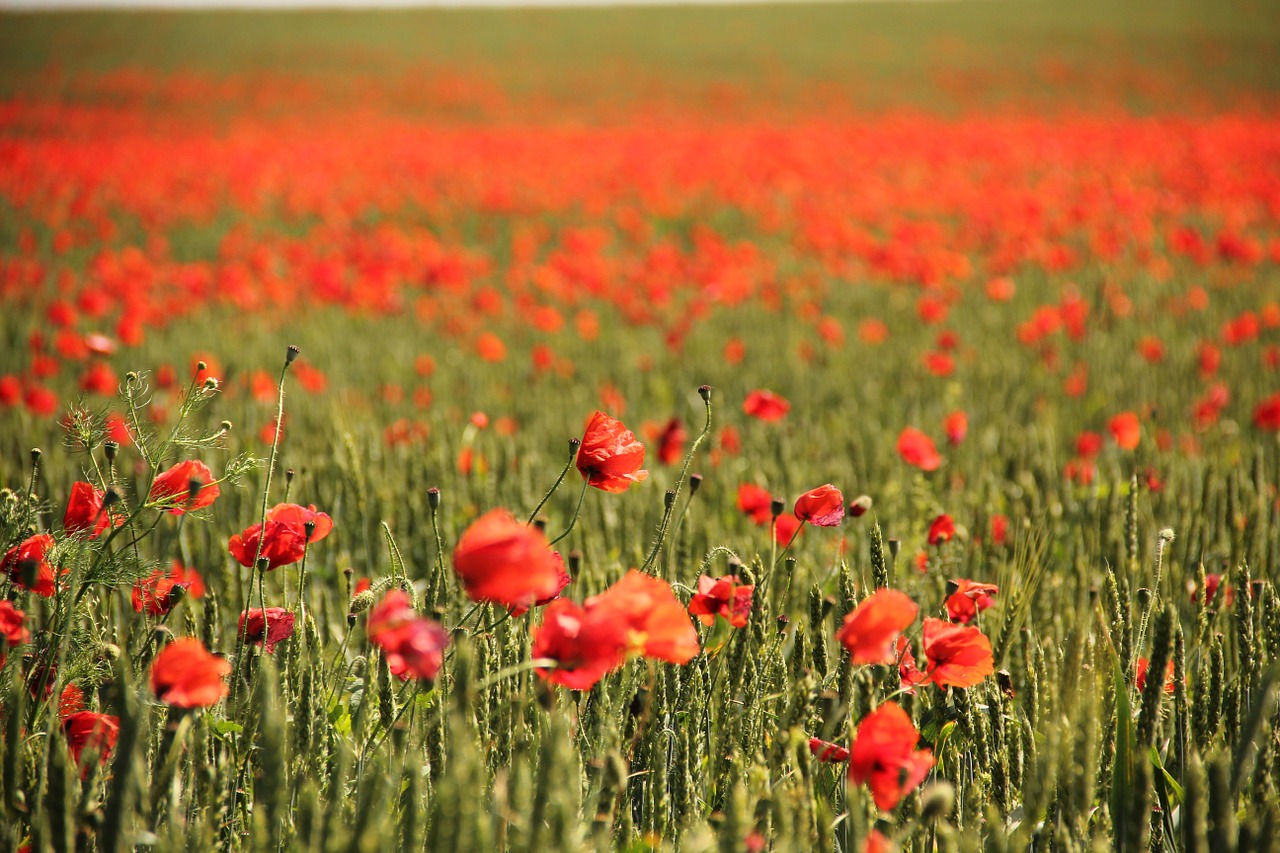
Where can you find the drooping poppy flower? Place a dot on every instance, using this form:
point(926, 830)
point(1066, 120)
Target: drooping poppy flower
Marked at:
point(12, 625)
point(869, 630)
point(671, 442)
point(502, 561)
point(268, 627)
point(941, 529)
point(884, 756)
point(1140, 678)
point(765, 405)
point(86, 730)
point(828, 752)
point(283, 544)
point(185, 487)
point(917, 449)
point(185, 675)
point(956, 426)
point(155, 594)
point(27, 565)
point(85, 511)
point(970, 599)
point(565, 580)
point(755, 502)
point(414, 645)
point(823, 506)
point(1125, 430)
point(722, 596)
point(610, 456)
point(638, 615)
point(956, 655)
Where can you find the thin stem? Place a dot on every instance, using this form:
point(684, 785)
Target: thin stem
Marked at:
point(680, 481)
point(581, 497)
point(563, 473)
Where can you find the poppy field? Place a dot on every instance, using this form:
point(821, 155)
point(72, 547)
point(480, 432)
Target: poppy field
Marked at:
point(842, 427)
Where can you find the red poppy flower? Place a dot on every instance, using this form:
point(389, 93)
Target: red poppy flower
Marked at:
point(185, 675)
point(86, 730)
point(917, 449)
point(671, 442)
point(85, 512)
point(414, 645)
point(18, 562)
point(884, 756)
point(823, 506)
point(941, 529)
point(638, 615)
point(869, 630)
point(1141, 666)
point(12, 625)
point(610, 456)
point(957, 655)
point(909, 675)
point(1212, 583)
point(765, 406)
point(1088, 445)
point(786, 528)
point(755, 502)
point(956, 426)
point(722, 597)
point(999, 529)
point(1125, 430)
point(1266, 415)
point(270, 627)
point(505, 562)
point(584, 650)
point(564, 581)
point(177, 489)
point(970, 599)
point(299, 516)
point(283, 544)
point(876, 842)
point(828, 752)
point(154, 594)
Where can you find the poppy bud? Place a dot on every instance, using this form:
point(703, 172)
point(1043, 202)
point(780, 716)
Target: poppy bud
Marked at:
point(109, 651)
point(163, 636)
point(361, 602)
point(109, 449)
point(669, 499)
point(288, 476)
point(200, 367)
point(309, 528)
point(433, 498)
point(111, 496)
point(291, 355)
point(540, 524)
point(176, 592)
point(193, 488)
point(575, 562)
point(895, 545)
point(937, 800)
point(952, 588)
point(574, 444)
point(695, 481)
point(704, 391)
point(1166, 535)
point(210, 383)
point(351, 620)
point(263, 564)
point(858, 506)
point(1144, 596)
point(1005, 682)
point(783, 622)
point(776, 506)
point(35, 455)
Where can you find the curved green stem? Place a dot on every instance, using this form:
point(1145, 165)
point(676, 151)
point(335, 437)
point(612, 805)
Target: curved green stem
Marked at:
point(581, 497)
point(563, 473)
point(680, 481)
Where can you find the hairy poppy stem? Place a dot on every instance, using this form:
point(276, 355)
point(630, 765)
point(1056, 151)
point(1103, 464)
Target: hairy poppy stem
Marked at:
point(574, 444)
point(705, 393)
point(576, 510)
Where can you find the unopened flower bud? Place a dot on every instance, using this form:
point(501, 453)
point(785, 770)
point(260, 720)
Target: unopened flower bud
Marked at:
point(574, 444)
point(669, 499)
point(895, 545)
point(776, 507)
point(704, 391)
point(361, 602)
point(109, 450)
point(433, 498)
point(176, 594)
point(109, 497)
point(695, 482)
point(858, 506)
point(1005, 682)
point(263, 564)
point(783, 622)
point(291, 355)
point(28, 571)
point(540, 524)
point(937, 800)
point(309, 527)
point(35, 455)
point(574, 563)
point(109, 651)
point(201, 366)
point(288, 476)
point(1166, 535)
point(226, 426)
point(163, 635)
point(210, 383)
point(193, 488)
